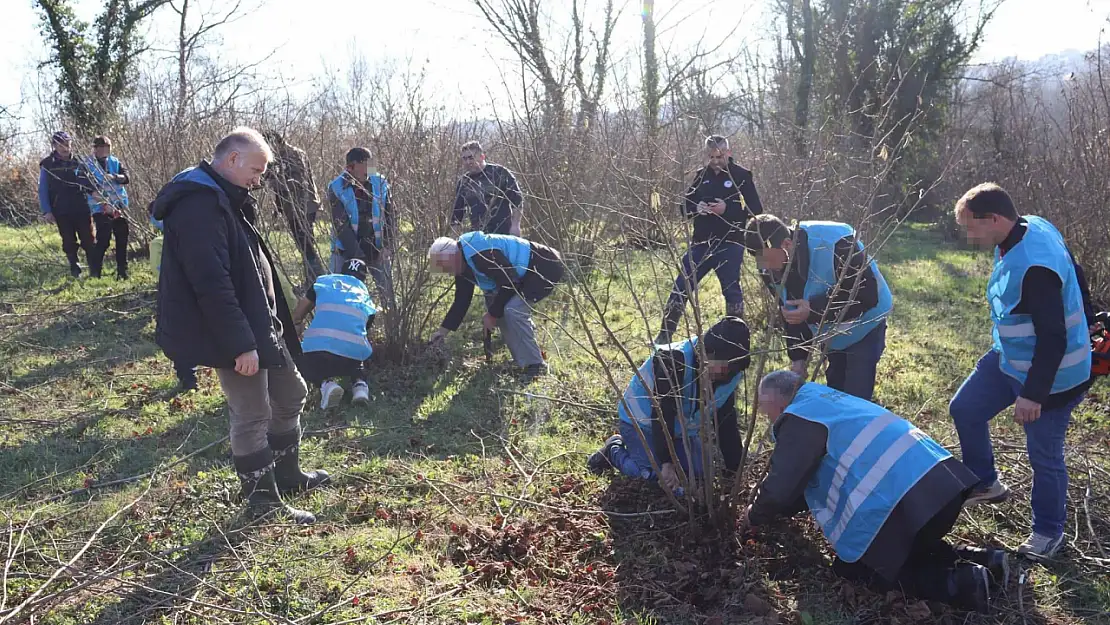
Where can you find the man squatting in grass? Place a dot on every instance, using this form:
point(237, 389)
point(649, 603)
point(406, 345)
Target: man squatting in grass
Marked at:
point(336, 343)
point(825, 259)
point(884, 494)
point(1040, 361)
point(513, 273)
point(221, 305)
point(720, 200)
point(671, 377)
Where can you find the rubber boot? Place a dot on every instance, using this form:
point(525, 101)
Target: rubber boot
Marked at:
point(735, 310)
point(671, 315)
point(287, 464)
point(259, 490)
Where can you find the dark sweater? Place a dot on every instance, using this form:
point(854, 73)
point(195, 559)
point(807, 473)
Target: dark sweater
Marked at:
point(729, 185)
point(829, 304)
point(544, 268)
point(800, 445)
point(1045, 304)
point(491, 195)
point(61, 187)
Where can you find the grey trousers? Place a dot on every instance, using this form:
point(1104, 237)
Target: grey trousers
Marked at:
point(269, 402)
point(518, 332)
point(380, 270)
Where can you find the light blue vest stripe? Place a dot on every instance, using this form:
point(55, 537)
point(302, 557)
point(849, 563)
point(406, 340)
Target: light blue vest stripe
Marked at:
point(638, 394)
point(1013, 334)
point(822, 236)
point(873, 458)
point(516, 249)
point(114, 194)
point(343, 306)
point(379, 190)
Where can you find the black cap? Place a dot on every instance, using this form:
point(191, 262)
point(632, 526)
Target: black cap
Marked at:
point(355, 267)
point(102, 141)
point(728, 339)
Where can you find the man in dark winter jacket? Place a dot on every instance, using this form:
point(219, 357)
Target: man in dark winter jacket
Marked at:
point(720, 200)
point(490, 192)
point(884, 494)
point(62, 200)
point(221, 305)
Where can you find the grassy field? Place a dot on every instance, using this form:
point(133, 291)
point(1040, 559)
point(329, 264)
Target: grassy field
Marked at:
point(460, 494)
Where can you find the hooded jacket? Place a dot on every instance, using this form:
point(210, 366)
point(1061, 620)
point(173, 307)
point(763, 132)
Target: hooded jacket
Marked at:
point(218, 294)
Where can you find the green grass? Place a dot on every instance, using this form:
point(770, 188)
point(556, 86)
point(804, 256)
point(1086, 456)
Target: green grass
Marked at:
point(460, 494)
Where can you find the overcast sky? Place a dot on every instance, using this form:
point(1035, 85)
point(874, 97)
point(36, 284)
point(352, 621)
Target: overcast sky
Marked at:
point(463, 58)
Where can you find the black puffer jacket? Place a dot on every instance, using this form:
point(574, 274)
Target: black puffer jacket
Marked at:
point(213, 301)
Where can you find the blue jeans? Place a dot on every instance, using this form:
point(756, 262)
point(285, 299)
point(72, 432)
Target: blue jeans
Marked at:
point(984, 394)
point(853, 370)
point(723, 258)
point(632, 459)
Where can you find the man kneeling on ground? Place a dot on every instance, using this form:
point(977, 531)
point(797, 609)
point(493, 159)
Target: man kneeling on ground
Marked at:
point(671, 377)
point(884, 494)
point(513, 273)
point(336, 343)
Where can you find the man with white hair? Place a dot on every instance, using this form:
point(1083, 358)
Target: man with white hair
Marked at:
point(513, 273)
point(884, 494)
point(221, 305)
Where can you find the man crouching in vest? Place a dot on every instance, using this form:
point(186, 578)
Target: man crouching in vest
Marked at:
point(513, 273)
point(814, 268)
point(671, 377)
point(336, 344)
point(884, 494)
point(1040, 361)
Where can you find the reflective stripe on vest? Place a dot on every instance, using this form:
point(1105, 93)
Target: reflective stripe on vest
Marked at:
point(1014, 336)
point(111, 192)
point(822, 237)
point(343, 306)
point(345, 191)
point(638, 394)
point(873, 458)
point(516, 249)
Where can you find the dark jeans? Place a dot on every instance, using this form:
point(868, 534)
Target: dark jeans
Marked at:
point(106, 228)
point(926, 570)
point(723, 258)
point(319, 367)
point(984, 394)
point(73, 228)
point(853, 370)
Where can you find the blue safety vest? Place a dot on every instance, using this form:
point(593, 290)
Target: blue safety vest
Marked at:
point(114, 194)
point(344, 189)
point(637, 404)
point(872, 459)
point(343, 306)
point(516, 249)
point(1014, 336)
point(822, 237)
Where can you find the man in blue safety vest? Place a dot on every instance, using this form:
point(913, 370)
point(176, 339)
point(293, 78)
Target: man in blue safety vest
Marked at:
point(1040, 361)
point(830, 291)
point(362, 221)
point(513, 273)
point(665, 396)
point(883, 493)
point(336, 343)
point(105, 178)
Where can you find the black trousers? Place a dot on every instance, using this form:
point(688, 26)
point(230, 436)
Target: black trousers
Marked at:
point(319, 367)
point(106, 228)
point(931, 559)
point(74, 228)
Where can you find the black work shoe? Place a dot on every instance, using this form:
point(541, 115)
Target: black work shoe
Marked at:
point(75, 270)
point(997, 562)
point(600, 461)
point(287, 464)
point(260, 492)
point(970, 588)
point(533, 371)
point(121, 274)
